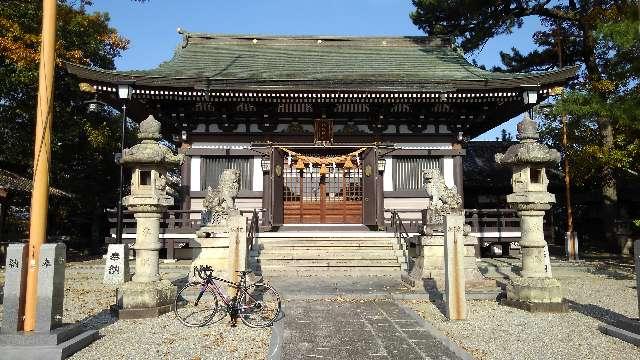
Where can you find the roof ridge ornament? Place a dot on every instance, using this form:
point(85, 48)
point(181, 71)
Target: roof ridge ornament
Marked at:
point(185, 36)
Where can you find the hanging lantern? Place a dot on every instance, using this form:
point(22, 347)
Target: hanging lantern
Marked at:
point(358, 160)
point(300, 164)
point(289, 160)
point(347, 164)
point(310, 165)
point(324, 170)
point(333, 166)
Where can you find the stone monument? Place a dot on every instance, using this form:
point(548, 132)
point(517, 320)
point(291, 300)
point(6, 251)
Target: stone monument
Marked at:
point(147, 295)
point(116, 268)
point(535, 289)
point(429, 265)
point(220, 217)
point(51, 338)
point(456, 305)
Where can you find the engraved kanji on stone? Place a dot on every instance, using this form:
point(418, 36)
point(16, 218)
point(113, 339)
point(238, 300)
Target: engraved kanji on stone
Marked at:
point(114, 256)
point(114, 269)
point(14, 263)
point(46, 263)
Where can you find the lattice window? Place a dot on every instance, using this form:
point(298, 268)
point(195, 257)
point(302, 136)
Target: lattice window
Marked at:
point(213, 166)
point(407, 171)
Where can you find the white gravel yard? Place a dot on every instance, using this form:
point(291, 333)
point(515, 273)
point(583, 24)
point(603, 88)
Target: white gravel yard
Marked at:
point(596, 293)
point(87, 300)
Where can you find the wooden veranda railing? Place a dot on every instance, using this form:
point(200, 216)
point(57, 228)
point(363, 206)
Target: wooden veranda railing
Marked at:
point(482, 221)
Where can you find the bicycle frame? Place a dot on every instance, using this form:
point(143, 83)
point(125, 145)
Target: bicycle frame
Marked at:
point(232, 303)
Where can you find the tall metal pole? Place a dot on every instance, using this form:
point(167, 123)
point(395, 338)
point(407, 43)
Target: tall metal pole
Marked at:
point(120, 190)
point(41, 158)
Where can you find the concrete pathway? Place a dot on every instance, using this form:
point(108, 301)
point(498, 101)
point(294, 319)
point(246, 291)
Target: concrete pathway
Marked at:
point(358, 329)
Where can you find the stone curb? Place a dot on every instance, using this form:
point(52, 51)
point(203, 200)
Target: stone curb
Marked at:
point(621, 334)
point(453, 347)
point(277, 338)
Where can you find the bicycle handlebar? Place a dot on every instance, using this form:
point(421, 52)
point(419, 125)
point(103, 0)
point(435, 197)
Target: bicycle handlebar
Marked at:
point(204, 269)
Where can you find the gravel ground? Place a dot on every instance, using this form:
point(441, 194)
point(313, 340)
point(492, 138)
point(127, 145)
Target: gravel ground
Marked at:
point(596, 292)
point(87, 301)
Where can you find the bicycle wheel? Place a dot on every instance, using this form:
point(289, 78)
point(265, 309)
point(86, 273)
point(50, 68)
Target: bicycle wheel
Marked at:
point(195, 307)
point(259, 305)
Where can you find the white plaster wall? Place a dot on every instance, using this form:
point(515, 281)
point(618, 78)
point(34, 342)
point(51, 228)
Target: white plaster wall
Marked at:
point(423, 145)
point(194, 184)
point(406, 204)
point(387, 177)
point(448, 171)
point(219, 145)
point(257, 183)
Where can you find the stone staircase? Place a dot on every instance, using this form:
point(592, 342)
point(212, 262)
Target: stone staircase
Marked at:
point(327, 252)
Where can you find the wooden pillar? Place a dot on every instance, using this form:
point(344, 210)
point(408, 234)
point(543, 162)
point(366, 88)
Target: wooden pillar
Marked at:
point(458, 169)
point(170, 245)
point(277, 187)
point(185, 183)
point(266, 198)
point(3, 211)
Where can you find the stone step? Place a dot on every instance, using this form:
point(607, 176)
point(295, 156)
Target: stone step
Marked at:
point(324, 251)
point(269, 271)
point(325, 235)
point(294, 243)
point(325, 238)
point(362, 263)
point(327, 256)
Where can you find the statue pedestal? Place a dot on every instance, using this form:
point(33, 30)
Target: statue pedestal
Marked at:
point(429, 265)
point(137, 300)
point(535, 295)
point(223, 247)
point(212, 251)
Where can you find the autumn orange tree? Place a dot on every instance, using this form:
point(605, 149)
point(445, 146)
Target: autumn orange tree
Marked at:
point(83, 143)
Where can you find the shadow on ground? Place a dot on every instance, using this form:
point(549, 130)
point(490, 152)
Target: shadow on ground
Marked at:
point(597, 312)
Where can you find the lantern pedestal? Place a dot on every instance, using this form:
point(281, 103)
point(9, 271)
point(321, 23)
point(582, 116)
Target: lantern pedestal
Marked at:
point(137, 300)
point(535, 295)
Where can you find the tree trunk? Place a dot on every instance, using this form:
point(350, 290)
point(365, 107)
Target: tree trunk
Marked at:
point(609, 189)
point(97, 237)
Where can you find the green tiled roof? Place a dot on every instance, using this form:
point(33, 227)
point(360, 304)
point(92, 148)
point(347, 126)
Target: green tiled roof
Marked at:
point(297, 58)
point(216, 61)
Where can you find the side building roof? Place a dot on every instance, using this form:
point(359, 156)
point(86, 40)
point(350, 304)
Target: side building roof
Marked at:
point(14, 182)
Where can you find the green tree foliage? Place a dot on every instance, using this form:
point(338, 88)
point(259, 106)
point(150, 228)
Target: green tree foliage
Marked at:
point(83, 143)
point(602, 103)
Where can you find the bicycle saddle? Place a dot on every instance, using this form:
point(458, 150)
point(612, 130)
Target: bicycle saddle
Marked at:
point(244, 271)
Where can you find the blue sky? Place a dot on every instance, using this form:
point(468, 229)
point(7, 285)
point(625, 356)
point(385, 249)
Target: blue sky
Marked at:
point(151, 27)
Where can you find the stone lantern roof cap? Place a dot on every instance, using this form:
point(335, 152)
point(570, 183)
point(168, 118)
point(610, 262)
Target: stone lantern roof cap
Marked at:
point(150, 150)
point(527, 129)
point(149, 129)
point(528, 151)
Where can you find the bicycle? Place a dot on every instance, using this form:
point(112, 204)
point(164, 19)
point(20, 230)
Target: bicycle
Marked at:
point(196, 304)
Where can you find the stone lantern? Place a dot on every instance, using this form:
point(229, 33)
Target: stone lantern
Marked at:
point(531, 199)
point(149, 160)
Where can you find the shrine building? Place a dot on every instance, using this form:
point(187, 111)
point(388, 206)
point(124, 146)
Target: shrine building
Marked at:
point(324, 130)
